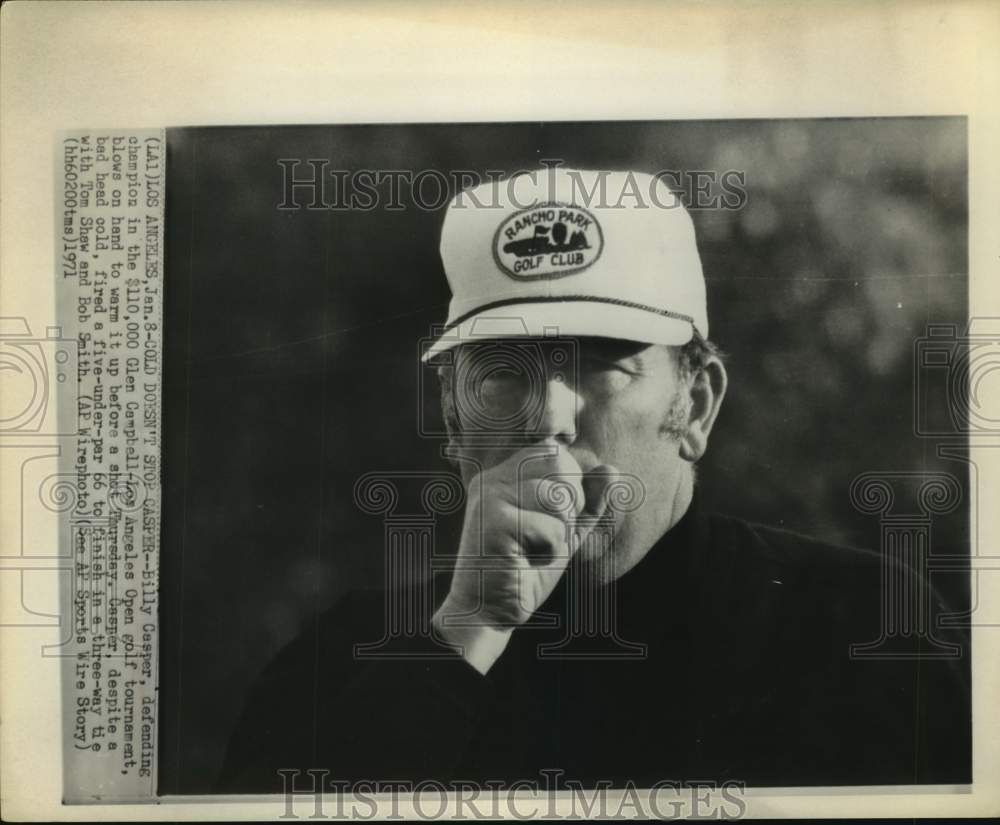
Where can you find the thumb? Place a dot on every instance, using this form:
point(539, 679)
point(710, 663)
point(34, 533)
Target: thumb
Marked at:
point(596, 482)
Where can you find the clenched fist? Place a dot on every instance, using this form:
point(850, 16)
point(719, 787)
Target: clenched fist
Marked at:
point(524, 520)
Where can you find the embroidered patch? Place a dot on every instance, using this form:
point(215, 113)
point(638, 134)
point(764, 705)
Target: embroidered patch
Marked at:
point(547, 241)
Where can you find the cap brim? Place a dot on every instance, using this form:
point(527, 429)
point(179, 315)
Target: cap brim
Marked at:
point(565, 318)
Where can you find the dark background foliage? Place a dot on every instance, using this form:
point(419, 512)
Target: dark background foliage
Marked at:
point(292, 339)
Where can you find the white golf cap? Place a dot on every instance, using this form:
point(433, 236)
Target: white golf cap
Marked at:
point(571, 252)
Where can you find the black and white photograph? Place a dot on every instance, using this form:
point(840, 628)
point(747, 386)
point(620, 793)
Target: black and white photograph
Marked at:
point(564, 452)
point(462, 411)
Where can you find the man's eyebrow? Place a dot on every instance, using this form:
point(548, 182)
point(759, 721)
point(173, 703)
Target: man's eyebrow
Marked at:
point(614, 349)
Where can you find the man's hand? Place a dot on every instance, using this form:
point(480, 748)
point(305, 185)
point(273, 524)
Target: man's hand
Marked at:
point(524, 520)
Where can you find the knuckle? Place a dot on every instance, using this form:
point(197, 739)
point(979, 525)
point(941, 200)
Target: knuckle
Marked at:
point(502, 543)
point(551, 529)
point(557, 537)
point(557, 499)
point(567, 495)
point(531, 495)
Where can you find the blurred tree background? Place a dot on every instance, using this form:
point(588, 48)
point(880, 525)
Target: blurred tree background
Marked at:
point(292, 339)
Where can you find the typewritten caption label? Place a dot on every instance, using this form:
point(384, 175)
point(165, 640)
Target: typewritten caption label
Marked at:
point(109, 274)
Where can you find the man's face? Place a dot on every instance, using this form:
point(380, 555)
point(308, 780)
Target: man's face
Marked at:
point(606, 401)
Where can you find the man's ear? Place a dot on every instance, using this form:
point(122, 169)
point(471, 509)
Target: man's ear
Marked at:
point(708, 388)
point(449, 414)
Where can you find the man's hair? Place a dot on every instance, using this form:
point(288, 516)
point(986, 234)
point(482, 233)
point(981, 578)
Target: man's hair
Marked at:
point(690, 359)
point(694, 355)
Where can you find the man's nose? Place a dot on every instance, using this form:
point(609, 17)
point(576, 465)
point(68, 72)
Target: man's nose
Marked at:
point(559, 411)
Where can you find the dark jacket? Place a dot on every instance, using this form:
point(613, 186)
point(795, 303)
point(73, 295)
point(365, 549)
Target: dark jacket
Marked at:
point(746, 676)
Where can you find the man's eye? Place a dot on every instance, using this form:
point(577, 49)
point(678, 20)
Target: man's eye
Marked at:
point(501, 378)
point(500, 384)
point(593, 364)
point(604, 376)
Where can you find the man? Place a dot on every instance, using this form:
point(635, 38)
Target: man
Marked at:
point(598, 621)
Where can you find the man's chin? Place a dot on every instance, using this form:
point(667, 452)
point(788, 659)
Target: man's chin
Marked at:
point(599, 560)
